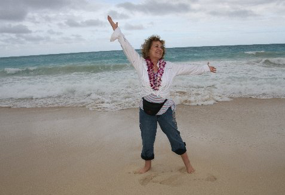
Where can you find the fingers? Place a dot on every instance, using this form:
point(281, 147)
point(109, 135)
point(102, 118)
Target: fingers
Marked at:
point(114, 26)
point(110, 20)
point(213, 69)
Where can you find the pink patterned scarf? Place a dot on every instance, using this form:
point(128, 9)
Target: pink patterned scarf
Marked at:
point(155, 78)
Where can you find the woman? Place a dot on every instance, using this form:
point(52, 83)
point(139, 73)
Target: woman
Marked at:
point(156, 77)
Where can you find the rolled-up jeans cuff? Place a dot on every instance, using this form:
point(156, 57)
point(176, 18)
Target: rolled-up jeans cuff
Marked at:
point(181, 151)
point(147, 158)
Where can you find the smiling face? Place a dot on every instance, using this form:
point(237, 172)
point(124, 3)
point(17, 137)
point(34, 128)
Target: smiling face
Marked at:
point(153, 48)
point(156, 50)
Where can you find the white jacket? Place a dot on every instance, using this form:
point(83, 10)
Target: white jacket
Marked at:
point(171, 70)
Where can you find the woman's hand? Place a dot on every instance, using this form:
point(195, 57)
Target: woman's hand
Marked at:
point(112, 23)
point(212, 68)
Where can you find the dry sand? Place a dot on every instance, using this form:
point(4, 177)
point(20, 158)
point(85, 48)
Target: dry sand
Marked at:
point(236, 147)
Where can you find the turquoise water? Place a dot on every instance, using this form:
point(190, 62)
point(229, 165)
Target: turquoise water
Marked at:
point(94, 79)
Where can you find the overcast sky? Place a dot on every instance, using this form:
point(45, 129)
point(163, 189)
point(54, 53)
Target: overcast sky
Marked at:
point(31, 27)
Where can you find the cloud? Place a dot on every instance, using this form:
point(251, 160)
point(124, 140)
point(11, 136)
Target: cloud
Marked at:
point(33, 38)
point(17, 29)
point(38, 4)
point(17, 10)
point(250, 2)
point(11, 40)
point(134, 27)
point(237, 13)
point(116, 15)
point(219, 8)
point(242, 8)
point(86, 23)
point(52, 32)
point(156, 7)
point(42, 4)
point(22, 39)
point(9, 14)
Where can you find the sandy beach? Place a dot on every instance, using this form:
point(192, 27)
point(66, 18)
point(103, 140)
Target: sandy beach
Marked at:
point(236, 147)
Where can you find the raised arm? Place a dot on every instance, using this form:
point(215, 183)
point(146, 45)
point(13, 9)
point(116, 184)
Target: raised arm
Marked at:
point(135, 59)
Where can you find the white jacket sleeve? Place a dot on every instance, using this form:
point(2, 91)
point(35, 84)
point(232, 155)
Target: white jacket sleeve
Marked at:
point(135, 59)
point(190, 69)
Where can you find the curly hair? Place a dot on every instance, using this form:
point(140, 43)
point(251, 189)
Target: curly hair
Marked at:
point(147, 45)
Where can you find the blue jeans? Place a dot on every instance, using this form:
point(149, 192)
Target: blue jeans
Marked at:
point(167, 122)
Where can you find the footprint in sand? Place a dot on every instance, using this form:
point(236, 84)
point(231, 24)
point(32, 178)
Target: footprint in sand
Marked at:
point(211, 178)
point(200, 177)
point(182, 170)
point(176, 179)
point(173, 180)
point(144, 181)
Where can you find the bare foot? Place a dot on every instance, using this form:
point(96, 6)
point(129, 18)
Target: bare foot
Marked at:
point(190, 169)
point(146, 167)
point(143, 170)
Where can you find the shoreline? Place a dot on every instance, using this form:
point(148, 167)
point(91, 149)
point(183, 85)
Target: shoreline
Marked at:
point(94, 110)
point(235, 146)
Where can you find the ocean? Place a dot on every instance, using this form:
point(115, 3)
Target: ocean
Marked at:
point(106, 80)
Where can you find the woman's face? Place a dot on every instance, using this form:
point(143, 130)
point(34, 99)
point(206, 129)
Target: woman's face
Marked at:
point(156, 50)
